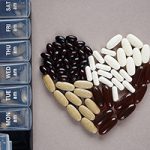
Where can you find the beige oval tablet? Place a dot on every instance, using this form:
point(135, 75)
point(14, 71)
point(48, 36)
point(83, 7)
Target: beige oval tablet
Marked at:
point(83, 84)
point(73, 98)
point(49, 83)
point(65, 86)
point(73, 112)
point(88, 125)
point(83, 93)
point(86, 112)
point(61, 98)
point(92, 106)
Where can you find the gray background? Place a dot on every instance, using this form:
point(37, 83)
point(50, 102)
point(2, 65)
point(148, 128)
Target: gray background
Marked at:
point(94, 21)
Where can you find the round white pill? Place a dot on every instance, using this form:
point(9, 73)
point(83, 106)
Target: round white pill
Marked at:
point(112, 62)
point(121, 57)
point(114, 41)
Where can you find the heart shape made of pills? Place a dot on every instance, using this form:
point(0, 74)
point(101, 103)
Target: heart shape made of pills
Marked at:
point(98, 89)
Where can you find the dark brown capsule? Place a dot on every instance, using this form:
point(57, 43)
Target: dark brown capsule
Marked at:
point(107, 94)
point(71, 38)
point(97, 94)
point(124, 113)
point(107, 125)
point(88, 50)
point(43, 70)
point(147, 75)
point(139, 94)
point(60, 39)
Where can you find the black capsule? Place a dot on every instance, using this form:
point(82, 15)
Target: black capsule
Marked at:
point(45, 56)
point(57, 45)
point(71, 38)
point(63, 78)
point(49, 48)
point(64, 53)
point(48, 64)
point(56, 55)
point(60, 39)
point(43, 70)
point(88, 50)
point(80, 44)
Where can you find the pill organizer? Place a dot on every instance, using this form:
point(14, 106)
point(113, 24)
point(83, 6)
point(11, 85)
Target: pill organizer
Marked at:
point(15, 75)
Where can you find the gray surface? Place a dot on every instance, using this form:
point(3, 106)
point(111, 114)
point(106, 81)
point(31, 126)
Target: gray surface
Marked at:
point(94, 21)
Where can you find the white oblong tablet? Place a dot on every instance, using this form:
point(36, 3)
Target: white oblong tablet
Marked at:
point(125, 75)
point(128, 86)
point(117, 75)
point(104, 73)
point(127, 47)
point(95, 78)
point(108, 52)
point(103, 67)
point(130, 66)
point(91, 62)
point(137, 57)
point(136, 42)
point(105, 81)
point(115, 94)
point(121, 57)
point(114, 41)
point(98, 57)
point(117, 84)
point(88, 73)
point(112, 62)
point(145, 52)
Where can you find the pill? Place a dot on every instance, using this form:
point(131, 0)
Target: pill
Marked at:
point(127, 47)
point(83, 84)
point(71, 39)
point(98, 57)
point(73, 98)
point(92, 62)
point(49, 83)
point(108, 52)
point(105, 81)
point(125, 75)
point(115, 94)
point(103, 67)
point(88, 50)
point(112, 62)
point(73, 112)
point(117, 75)
point(65, 86)
point(145, 52)
point(88, 73)
point(92, 106)
point(136, 42)
point(121, 57)
point(128, 86)
point(95, 78)
point(104, 73)
point(137, 57)
point(86, 112)
point(130, 67)
point(114, 41)
point(61, 98)
point(117, 84)
point(88, 125)
point(83, 93)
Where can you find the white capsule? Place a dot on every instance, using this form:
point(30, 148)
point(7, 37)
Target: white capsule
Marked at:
point(112, 62)
point(105, 74)
point(92, 62)
point(125, 75)
point(117, 75)
point(105, 81)
point(98, 57)
point(137, 57)
point(130, 66)
point(136, 42)
point(114, 41)
point(103, 67)
point(117, 84)
point(128, 86)
point(121, 57)
point(127, 47)
point(108, 52)
point(115, 94)
point(88, 73)
point(145, 52)
point(95, 78)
